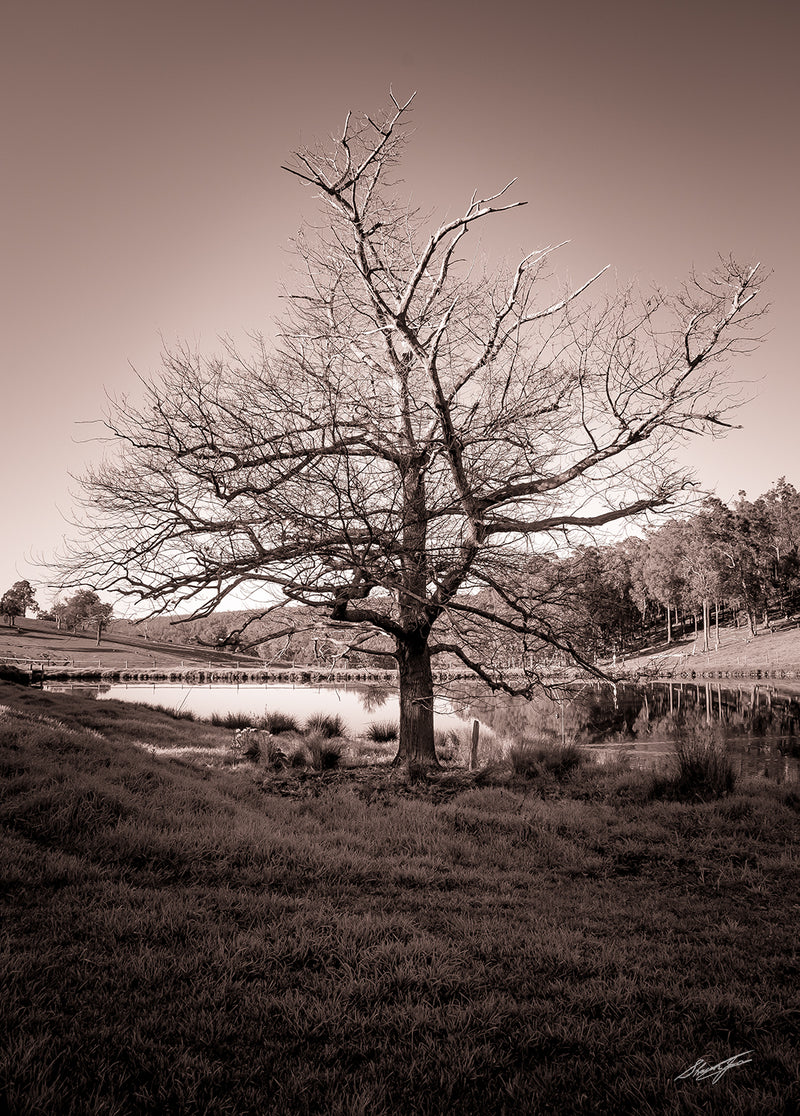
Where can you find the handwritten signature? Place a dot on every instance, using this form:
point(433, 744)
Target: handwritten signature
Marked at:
point(701, 1069)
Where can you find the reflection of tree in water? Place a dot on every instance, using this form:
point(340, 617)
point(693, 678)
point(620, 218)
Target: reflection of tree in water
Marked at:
point(656, 711)
point(373, 697)
point(587, 715)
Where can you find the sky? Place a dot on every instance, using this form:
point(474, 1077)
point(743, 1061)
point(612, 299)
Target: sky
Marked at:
point(142, 201)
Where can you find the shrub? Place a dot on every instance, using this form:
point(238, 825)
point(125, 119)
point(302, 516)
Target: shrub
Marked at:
point(276, 723)
point(702, 769)
point(530, 759)
point(382, 732)
point(248, 743)
point(325, 753)
point(326, 725)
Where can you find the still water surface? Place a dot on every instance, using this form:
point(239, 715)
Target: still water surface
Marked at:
point(358, 706)
point(760, 724)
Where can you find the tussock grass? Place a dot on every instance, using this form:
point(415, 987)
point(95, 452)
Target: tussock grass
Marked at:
point(326, 753)
point(449, 745)
point(179, 938)
point(176, 714)
point(383, 732)
point(532, 759)
point(278, 723)
point(232, 720)
point(704, 768)
point(327, 725)
point(298, 756)
point(701, 768)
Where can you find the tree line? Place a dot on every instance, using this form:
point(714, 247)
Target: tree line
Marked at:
point(82, 611)
point(739, 563)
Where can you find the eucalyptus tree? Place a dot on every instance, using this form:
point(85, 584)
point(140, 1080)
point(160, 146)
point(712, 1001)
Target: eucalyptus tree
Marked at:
point(774, 521)
point(418, 439)
point(83, 610)
point(663, 568)
point(702, 565)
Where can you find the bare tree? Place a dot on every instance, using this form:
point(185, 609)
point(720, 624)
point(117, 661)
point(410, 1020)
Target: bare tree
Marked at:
point(418, 443)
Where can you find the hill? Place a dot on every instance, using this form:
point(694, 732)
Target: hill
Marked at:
point(37, 643)
point(774, 652)
point(40, 642)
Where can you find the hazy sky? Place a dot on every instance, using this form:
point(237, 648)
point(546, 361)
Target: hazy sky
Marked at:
point(142, 195)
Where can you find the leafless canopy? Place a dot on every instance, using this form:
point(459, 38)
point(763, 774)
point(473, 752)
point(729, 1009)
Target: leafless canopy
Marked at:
point(418, 439)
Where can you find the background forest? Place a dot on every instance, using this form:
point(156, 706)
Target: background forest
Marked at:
point(726, 564)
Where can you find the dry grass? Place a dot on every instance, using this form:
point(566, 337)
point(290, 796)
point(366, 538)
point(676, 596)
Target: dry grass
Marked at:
point(778, 650)
point(179, 937)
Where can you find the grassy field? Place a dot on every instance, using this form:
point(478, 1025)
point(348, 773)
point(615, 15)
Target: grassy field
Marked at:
point(188, 931)
point(771, 650)
point(38, 641)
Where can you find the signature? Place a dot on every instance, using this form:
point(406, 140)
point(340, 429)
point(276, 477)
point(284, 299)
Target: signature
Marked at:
point(701, 1069)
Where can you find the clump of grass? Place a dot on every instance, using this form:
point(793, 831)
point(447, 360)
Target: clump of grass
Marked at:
point(701, 769)
point(176, 714)
point(531, 759)
point(326, 754)
point(447, 744)
point(232, 720)
point(276, 722)
point(383, 732)
point(298, 757)
point(326, 725)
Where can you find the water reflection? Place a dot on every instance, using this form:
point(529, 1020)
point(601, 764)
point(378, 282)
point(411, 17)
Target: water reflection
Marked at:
point(759, 724)
point(357, 704)
point(373, 698)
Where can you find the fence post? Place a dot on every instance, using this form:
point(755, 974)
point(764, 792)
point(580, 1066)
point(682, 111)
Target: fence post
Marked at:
point(473, 756)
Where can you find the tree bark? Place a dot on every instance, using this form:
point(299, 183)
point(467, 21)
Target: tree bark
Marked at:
point(416, 704)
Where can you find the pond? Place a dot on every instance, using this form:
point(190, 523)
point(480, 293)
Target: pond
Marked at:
point(358, 705)
point(760, 724)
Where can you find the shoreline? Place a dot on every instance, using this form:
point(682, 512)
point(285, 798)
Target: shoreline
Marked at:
point(308, 676)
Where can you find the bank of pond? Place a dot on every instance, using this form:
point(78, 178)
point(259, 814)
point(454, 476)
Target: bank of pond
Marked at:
point(758, 722)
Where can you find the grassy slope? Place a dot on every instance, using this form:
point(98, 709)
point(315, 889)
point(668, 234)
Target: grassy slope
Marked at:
point(176, 937)
point(776, 650)
point(39, 640)
point(36, 640)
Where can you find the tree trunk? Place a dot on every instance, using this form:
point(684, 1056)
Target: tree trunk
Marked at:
point(669, 626)
point(706, 624)
point(416, 704)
